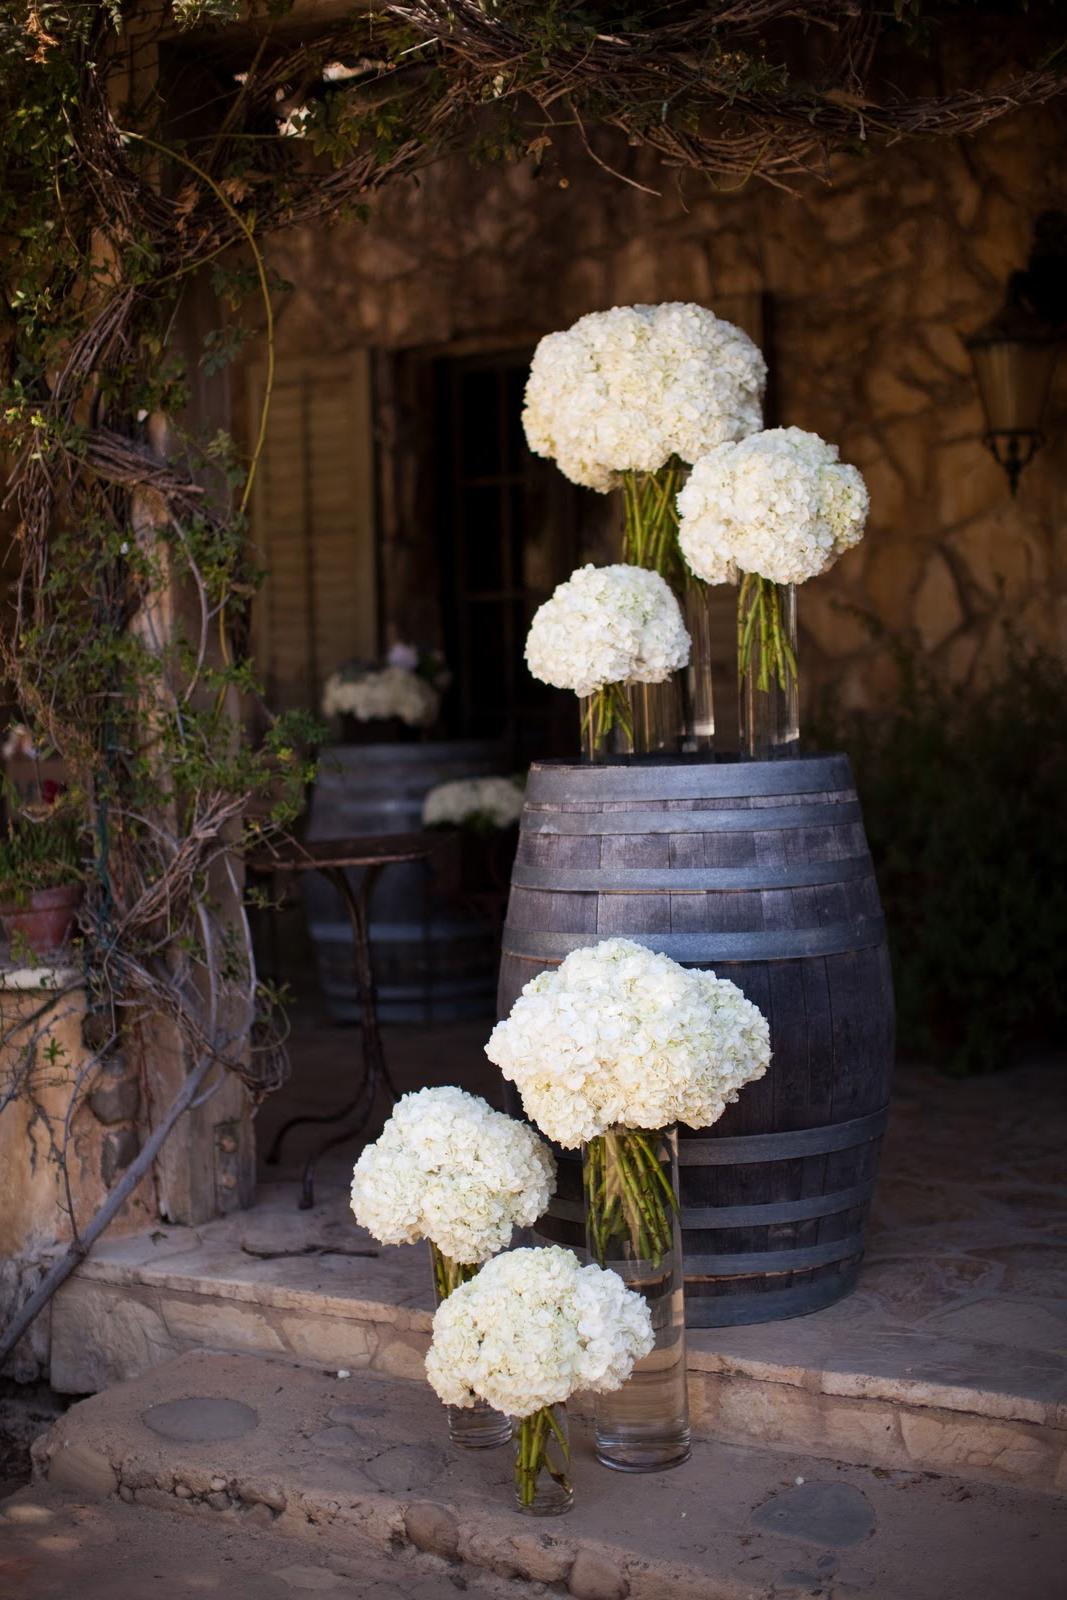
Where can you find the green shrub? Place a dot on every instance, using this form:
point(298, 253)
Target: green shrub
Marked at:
point(965, 801)
point(38, 852)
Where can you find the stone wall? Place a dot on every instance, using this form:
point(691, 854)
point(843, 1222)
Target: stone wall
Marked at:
point(871, 281)
point(44, 1054)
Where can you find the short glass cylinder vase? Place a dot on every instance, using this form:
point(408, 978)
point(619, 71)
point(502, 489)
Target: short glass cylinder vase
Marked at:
point(476, 1427)
point(769, 703)
point(633, 1227)
point(542, 1463)
point(656, 712)
point(606, 723)
point(698, 697)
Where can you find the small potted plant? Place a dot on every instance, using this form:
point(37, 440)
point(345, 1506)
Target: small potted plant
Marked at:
point(40, 878)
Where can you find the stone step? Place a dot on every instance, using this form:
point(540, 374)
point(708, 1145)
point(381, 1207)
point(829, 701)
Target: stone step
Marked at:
point(356, 1470)
point(852, 1383)
point(55, 1545)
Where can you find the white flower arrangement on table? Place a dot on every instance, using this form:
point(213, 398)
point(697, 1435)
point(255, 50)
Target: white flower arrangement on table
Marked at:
point(479, 803)
point(603, 628)
point(533, 1327)
point(626, 390)
point(408, 687)
point(620, 1037)
point(450, 1169)
point(778, 507)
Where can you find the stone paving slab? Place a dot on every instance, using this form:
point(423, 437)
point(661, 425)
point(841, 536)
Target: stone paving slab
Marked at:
point(360, 1469)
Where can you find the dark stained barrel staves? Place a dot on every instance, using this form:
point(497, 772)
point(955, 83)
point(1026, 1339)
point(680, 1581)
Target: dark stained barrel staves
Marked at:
point(761, 871)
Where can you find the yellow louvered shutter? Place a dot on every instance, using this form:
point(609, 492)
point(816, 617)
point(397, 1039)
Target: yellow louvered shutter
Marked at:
point(312, 521)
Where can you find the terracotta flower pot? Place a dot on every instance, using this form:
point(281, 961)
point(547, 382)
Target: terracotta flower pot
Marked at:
point(44, 922)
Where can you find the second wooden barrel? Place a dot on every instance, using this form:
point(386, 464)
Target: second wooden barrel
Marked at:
point(431, 963)
point(760, 871)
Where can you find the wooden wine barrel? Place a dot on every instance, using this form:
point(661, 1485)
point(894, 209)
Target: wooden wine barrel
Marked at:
point(760, 871)
point(432, 963)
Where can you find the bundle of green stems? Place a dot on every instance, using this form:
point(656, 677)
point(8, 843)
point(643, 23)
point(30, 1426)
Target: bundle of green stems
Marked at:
point(535, 1437)
point(651, 535)
point(606, 708)
point(759, 619)
point(449, 1274)
point(628, 1197)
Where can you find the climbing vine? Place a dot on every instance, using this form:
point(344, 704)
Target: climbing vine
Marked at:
point(138, 171)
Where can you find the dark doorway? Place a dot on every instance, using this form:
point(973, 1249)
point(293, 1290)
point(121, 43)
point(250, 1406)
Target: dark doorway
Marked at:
point(509, 529)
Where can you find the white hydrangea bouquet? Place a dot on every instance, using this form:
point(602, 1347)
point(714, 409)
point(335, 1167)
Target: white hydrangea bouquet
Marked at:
point(616, 1043)
point(602, 629)
point(479, 803)
point(448, 1168)
point(771, 510)
point(405, 688)
point(624, 397)
point(533, 1327)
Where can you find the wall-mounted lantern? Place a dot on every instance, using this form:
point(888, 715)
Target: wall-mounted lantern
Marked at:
point(1014, 355)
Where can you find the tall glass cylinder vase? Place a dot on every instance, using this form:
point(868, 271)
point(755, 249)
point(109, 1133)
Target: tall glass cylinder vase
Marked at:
point(698, 699)
point(656, 714)
point(633, 1227)
point(543, 1463)
point(476, 1427)
point(769, 706)
point(606, 723)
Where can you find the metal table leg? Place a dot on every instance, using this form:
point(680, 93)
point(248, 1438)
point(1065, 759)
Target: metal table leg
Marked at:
point(375, 1071)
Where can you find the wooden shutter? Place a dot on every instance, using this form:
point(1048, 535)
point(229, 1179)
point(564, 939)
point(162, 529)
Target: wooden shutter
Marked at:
point(312, 520)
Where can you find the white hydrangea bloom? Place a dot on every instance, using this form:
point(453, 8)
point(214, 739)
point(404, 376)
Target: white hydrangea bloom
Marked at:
point(779, 504)
point(618, 1036)
point(449, 1168)
point(378, 695)
point(497, 801)
point(607, 625)
point(627, 389)
point(533, 1327)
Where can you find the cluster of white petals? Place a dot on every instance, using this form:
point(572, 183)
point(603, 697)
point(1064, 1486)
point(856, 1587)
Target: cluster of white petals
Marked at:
point(482, 802)
point(449, 1168)
point(605, 625)
point(779, 504)
point(375, 696)
point(629, 388)
point(618, 1036)
point(533, 1327)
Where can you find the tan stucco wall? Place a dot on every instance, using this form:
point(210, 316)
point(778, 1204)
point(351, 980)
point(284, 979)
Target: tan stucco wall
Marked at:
point(873, 280)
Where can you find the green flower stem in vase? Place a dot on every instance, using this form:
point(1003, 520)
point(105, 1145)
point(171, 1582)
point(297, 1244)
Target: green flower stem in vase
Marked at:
point(607, 726)
point(476, 1427)
point(769, 705)
point(542, 1463)
point(630, 1178)
point(650, 539)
